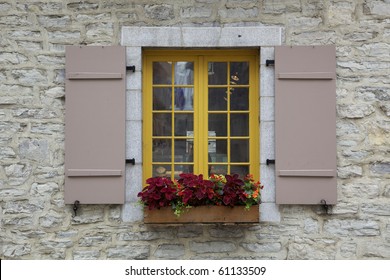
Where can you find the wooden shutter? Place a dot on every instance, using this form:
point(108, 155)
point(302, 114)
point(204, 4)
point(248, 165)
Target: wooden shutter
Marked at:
point(305, 124)
point(95, 91)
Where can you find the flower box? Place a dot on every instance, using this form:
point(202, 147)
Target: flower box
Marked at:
point(203, 214)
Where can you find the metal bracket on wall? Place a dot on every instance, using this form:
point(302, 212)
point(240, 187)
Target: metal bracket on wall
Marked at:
point(325, 206)
point(269, 62)
point(76, 207)
point(131, 68)
point(270, 161)
point(131, 160)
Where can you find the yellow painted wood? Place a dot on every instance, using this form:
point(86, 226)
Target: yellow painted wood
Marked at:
point(201, 58)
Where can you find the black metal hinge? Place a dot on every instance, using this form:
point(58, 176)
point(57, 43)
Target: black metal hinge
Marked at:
point(270, 161)
point(131, 68)
point(269, 62)
point(131, 160)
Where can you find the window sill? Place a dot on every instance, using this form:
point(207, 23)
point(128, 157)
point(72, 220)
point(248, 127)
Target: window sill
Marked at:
point(203, 215)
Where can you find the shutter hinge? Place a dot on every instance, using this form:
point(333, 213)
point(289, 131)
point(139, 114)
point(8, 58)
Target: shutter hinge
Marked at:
point(269, 62)
point(76, 207)
point(270, 161)
point(131, 160)
point(131, 68)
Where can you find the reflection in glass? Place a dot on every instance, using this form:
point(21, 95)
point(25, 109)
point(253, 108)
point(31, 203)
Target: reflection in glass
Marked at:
point(184, 73)
point(183, 123)
point(241, 71)
point(161, 170)
point(239, 99)
point(162, 73)
point(184, 151)
point(217, 99)
point(183, 168)
point(162, 124)
point(239, 150)
point(184, 99)
point(239, 124)
point(162, 150)
point(218, 123)
point(162, 99)
point(241, 170)
point(217, 73)
point(218, 169)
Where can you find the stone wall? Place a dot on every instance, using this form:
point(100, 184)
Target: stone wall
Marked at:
point(35, 223)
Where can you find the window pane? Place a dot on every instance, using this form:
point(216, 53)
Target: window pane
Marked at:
point(239, 150)
point(184, 99)
point(183, 168)
point(183, 124)
point(184, 73)
point(162, 99)
point(162, 124)
point(161, 170)
point(184, 150)
point(162, 73)
point(217, 99)
point(241, 170)
point(162, 150)
point(239, 73)
point(217, 73)
point(239, 125)
point(239, 99)
point(218, 123)
point(217, 150)
point(218, 169)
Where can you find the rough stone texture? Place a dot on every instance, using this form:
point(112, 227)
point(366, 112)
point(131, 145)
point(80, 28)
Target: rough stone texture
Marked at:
point(36, 224)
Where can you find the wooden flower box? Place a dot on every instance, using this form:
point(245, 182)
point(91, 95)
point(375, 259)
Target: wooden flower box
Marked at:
point(203, 214)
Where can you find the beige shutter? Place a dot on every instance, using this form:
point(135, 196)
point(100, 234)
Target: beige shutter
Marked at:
point(305, 124)
point(95, 91)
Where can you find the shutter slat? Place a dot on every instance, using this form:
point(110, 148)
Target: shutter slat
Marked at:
point(307, 76)
point(305, 125)
point(93, 76)
point(95, 105)
point(93, 172)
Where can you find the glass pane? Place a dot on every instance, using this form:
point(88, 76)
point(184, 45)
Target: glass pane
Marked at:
point(183, 124)
point(184, 168)
point(239, 150)
point(161, 170)
point(162, 124)
point(218, 169)
point(218, 124)
point(162, 150)
point(241, 170)
point(184, 150)
point(217, 150)
point(239, 73)
point(239, 124)
point(184, 73)
point(184, 99)
point(162, 99)
point(217, 99)
point(217, 73)
point(239, 99)
point(162, 73)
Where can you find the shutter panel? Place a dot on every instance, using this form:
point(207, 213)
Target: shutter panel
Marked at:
point(95, 124)
point(305, 125)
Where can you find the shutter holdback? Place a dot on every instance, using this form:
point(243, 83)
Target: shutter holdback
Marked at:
point(325, 206)
point(76, 207)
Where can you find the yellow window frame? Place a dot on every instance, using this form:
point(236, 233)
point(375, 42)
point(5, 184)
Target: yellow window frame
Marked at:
point(201, 58)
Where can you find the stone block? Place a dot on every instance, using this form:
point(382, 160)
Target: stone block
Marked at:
point(312, 249)
point(212, 247)
point(134, 182)
point(349, 171)
point(196, 12)
point(227, 231)
point(355, 111)
point(134, 105)
point(17, 173)
point(159, 11)
point(134, 140)
point(169, 251)
point(269, 212)
point(350, 227)
point(95, 239)
point(86, 254)
point(132, 212)
point(34, 149)
point(30, 76)
point(271, 247)
point(137, 252)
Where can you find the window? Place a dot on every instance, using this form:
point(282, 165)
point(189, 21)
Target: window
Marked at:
point(200, 112)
